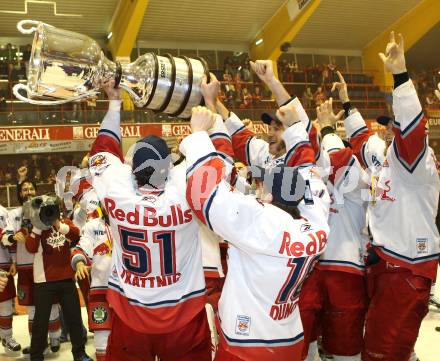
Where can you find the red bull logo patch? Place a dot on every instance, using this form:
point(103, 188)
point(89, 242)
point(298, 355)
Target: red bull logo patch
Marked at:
point(98, 160)
point(103, 249)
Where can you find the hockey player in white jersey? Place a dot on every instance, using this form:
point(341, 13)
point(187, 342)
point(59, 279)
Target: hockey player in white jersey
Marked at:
point(87, 205)
point(7, 265)
point(156, 285)
point(334, 296)
point(405, 247)
point(257, 152)
point(271, 252)
point(15, 235)
point(93, 251)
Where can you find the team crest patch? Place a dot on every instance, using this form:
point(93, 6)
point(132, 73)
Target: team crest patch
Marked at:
point(99, 315)
point(422, 245)
point(243, 325)
point(98, 160)
point(98, 163)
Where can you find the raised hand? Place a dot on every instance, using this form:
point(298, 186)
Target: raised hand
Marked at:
point(264, 70)
point(341, 87)
point(112, 93)
point(210, 91)
point(326, 116)
point(394, 57)
point(288, 115)
point(202, 119)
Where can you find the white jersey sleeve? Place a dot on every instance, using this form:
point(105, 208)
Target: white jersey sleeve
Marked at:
point(238, 218)
point(83, 251)
point(369, 148)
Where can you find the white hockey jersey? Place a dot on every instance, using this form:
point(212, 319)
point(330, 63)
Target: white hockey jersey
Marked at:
point(25, 259)
point(405, 187)
point(346, 245)
point(94, 248)
point(5, 256)
point(156, 284)
point(211, 257)
point(270, 254)
point(89, 208)
point(255, 152)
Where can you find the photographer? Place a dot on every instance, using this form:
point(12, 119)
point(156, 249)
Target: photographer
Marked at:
point(15, 235)
point(50, 240)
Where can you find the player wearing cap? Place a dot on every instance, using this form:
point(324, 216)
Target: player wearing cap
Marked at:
point(156, 284)
point(257, 152)
point(272, 247)
point(405, 189)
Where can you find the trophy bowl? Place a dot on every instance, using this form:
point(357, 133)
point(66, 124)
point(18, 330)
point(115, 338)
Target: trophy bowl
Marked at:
point(66, 66)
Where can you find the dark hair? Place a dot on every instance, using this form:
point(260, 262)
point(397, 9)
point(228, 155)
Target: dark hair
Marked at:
point(20, 186)
point(292, 210)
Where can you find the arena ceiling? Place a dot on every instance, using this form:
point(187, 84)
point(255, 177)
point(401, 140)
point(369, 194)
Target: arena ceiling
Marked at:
point(336, 24)
point(91, 17)
point(350, 24)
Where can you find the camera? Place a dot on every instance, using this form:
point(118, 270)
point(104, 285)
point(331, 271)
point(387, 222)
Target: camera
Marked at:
point(42, 211)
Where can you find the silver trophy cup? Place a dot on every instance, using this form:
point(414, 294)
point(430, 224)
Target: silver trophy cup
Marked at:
point(66, 66)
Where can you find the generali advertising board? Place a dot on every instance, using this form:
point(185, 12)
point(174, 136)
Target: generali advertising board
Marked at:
point(67, 138)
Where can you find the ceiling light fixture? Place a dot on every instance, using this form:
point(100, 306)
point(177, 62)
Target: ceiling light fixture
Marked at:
point(109, 36)
point(258, 42)
point(45, 2)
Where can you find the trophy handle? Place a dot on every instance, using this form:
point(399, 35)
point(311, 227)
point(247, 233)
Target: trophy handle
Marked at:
point(30, 30)
point(18, 87)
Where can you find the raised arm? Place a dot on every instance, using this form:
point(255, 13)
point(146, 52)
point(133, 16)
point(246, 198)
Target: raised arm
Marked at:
point(264, 70)
point(346, 174)
point(232, 215)
point(367, 147)
point(109, 135)
point(410, 142)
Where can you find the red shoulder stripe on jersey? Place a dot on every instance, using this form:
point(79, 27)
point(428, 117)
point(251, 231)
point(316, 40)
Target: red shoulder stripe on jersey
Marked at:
point(203, 180)
point(301, 154)
point(107, 143)
point(338, 160)
point(411, 146)
point(222, 143)
point(315, 141)
point(358, 140)
point(240, 144)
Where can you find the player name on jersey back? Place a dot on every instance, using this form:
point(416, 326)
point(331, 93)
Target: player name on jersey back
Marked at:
point(147, 216)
